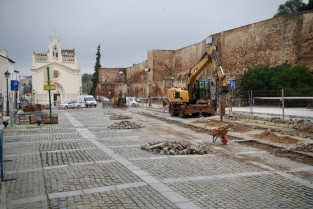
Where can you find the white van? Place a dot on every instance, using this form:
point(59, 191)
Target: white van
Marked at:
point(131, 102)
point(87, 101)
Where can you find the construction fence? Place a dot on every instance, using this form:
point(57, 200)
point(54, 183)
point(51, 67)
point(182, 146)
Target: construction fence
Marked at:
point(283, 103)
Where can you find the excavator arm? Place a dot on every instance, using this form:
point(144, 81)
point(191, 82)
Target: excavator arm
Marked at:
point(209, 57)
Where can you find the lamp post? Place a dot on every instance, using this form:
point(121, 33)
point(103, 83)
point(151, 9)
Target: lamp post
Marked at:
point(149, 93)
point(7, 75)
point(172, 77)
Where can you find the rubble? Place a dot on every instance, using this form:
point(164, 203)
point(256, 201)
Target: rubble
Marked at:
point(176, 148)
point(119, 117)
point(299, 121)
point(109, 113)
point(126, 124)
point(304, 148)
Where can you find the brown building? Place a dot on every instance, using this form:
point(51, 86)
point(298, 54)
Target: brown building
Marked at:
point(270, 42)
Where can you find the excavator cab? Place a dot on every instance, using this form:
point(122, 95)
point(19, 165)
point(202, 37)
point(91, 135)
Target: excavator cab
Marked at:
point(119, 101)
point(123, 98)
point(201, 90)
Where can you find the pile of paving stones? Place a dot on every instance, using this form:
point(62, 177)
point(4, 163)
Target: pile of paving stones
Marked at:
point(126, 124)
point(119, 117)
point(176, 148)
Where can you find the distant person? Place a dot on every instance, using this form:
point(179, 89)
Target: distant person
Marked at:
point(164, 103)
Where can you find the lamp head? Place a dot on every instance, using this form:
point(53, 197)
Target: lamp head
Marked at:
point(7, 74)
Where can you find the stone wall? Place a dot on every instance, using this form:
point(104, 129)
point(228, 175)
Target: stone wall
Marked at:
point(110, 76)
point(270, 42)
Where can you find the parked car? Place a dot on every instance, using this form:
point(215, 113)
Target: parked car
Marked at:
point(99, 98)
point(131, 102)
point(105, 100)
point(70, 104)
point(87, 101)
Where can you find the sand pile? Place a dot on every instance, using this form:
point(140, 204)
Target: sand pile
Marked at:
point(270, 136)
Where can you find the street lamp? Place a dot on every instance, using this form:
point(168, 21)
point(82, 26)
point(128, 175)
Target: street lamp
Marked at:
point(172, 77)
point(7, 76)
point(149, 93)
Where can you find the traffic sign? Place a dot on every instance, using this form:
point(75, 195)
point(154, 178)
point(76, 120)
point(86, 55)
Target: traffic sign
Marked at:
point(49, 87)
point(14, 85)
point(232, 85)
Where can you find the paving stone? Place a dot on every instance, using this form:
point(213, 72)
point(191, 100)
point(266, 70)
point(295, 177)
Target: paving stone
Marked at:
point(76, 156)
point(270, 191)
point(72, 164)
point(87, 177)
point(175, 167)
point(139, 197)
point(26, 185)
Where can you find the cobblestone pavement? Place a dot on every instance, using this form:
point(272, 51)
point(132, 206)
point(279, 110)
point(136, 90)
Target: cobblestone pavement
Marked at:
point(81, 163)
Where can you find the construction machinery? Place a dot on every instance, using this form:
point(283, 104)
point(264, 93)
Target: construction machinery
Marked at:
point(120, 100)
point(196, 98)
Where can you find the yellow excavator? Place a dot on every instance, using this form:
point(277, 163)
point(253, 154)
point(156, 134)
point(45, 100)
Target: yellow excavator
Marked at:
point(120, 100)
point(196, 98)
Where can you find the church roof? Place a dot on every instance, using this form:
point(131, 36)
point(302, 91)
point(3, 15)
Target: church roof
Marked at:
point(63, 51)
point(7, 58)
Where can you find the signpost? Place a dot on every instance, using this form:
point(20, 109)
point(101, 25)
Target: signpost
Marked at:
point(14, 87)
point(232, 85)
point(49, 85)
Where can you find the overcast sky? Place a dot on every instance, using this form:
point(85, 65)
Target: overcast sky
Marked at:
point(125, 29)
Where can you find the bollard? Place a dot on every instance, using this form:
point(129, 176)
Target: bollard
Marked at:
point(13, 117)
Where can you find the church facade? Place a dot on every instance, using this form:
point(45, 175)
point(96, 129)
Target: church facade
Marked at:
point(67, 76)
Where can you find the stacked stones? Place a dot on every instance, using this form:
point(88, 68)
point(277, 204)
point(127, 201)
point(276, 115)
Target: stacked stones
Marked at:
point(126, 124)
point(119, 117)
point(176, 148)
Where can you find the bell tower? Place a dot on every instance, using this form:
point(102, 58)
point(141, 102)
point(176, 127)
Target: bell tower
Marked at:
point(54, 51)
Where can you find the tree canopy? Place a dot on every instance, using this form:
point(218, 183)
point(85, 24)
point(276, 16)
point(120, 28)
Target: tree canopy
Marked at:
point(95, 75)
point(293, 6)
point(281, 76)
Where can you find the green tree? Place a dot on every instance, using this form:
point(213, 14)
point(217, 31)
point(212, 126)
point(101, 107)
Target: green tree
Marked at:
point(95, 75)
point(261, 77)
point(277, 77)
point(86, 78)
point(296, 77)
point(293, 6)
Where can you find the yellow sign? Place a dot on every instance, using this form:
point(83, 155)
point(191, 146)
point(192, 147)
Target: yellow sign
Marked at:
point(48, 75)
point(49, 87)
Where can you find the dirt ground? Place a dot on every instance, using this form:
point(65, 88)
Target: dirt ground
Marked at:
point(270, 136)
point(241, 128)
point(281, 152)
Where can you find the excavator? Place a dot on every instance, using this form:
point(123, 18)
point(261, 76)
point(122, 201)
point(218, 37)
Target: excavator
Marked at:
point(196, 98)
point(120, 100)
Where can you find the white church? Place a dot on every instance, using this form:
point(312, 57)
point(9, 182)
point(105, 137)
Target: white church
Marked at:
point(67, 76)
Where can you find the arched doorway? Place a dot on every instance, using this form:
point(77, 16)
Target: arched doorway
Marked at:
point(57, 94)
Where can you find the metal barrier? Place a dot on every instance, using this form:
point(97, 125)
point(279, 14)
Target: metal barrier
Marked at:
point(292, 103)
point(1, 158)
